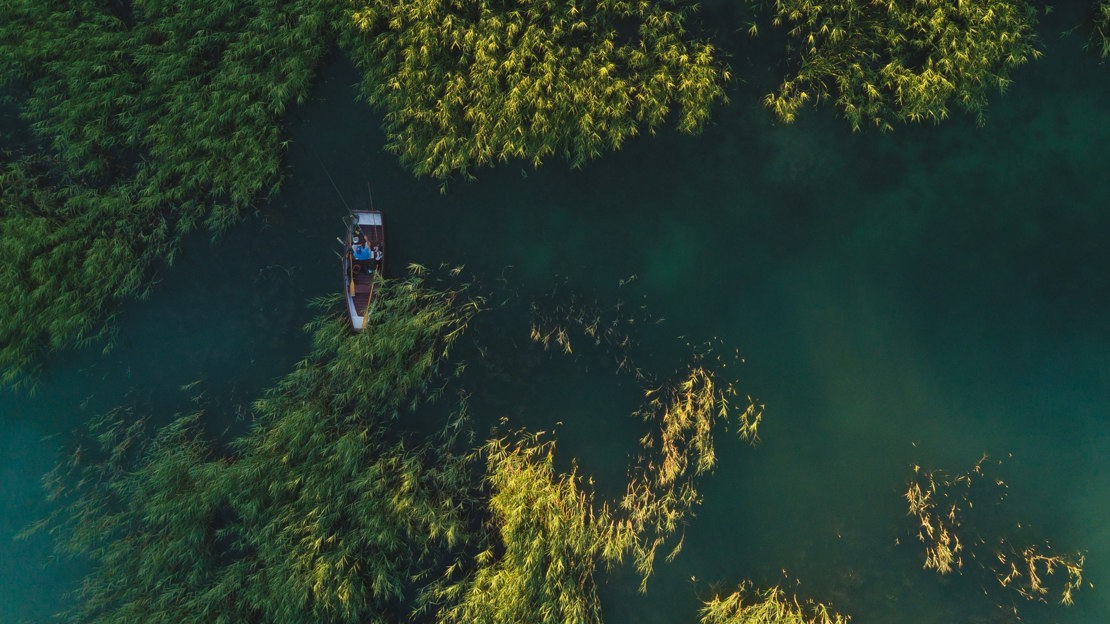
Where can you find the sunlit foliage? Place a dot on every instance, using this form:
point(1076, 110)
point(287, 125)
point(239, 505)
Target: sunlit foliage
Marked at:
point(325, 511)
point(546, 538)
point(467, 83)
point(662, 491)
point(941, 504)
point(882, 62)
point(548, 535)
point(766, 606)
point(319, 513)
point(150, 118)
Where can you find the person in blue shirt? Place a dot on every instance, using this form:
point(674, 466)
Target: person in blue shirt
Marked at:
point(362, 252)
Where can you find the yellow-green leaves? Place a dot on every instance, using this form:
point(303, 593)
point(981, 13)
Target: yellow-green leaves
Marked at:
point(884, 62)
point(766, 606)
point(942, 506)
point(548, 538)
point(466, 84)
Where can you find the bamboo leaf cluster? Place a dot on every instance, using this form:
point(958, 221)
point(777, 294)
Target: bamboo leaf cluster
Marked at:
point(320, 513)
point(149, 119)
point(889, 61)
point(546, 537)
point(469, 83)
point(547, 534)
point(748, 605)
point(942, 504)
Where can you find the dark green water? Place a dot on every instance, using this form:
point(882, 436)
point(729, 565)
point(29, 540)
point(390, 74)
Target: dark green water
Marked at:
point(920, 297)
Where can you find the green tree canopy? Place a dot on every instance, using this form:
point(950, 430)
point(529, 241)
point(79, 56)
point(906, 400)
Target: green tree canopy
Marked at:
point(468, 83)
point(889, 61)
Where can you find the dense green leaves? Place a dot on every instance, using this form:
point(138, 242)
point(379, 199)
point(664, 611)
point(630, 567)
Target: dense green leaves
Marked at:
point(466, 84)
point(884, 62)
point(320, 513)
point(67, 254)
point(150, 119)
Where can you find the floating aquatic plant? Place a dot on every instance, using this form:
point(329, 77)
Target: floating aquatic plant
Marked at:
point(324, 511)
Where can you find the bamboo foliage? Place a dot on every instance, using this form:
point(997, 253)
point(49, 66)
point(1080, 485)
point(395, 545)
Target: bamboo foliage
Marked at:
point(883, 62)
point(319, 513)
point(748, 605)
point(662, 492)
point(150, 119)
point(66, 255)
point(941, 504)
point(469, 83)
point(545, 539)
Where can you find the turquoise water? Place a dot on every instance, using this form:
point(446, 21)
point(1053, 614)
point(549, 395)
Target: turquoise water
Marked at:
point(921, 297)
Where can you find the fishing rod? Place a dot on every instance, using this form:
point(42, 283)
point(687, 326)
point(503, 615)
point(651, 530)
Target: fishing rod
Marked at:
point(330, 179)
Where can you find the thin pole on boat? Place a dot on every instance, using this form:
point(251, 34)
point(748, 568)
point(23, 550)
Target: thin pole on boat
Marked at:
point(328, 173)
point(371, 194)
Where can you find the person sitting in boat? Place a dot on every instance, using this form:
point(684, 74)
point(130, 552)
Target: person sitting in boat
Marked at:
point(361, 251)
point(377, 254)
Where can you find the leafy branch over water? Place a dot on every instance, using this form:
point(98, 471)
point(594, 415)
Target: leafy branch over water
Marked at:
point(942, 502)
point(327, 511)
point(766, 606)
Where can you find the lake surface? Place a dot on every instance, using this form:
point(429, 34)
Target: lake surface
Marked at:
point(921, 297)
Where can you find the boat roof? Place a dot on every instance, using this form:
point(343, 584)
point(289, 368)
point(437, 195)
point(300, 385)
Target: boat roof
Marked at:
point(368, 217)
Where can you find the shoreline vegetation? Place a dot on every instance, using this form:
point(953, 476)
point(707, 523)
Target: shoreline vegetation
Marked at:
point(150, 120)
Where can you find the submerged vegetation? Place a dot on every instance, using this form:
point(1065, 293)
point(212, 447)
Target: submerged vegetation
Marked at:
point(468, 84)
point(883, 63)
point(941, 503)
point(766, 606)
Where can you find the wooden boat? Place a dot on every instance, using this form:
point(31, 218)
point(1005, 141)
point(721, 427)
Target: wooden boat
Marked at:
point(365, 232)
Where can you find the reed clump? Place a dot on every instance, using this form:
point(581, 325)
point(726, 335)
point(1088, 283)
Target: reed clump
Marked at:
point(883, 63)
point(467, 85)
point(748, 605)
point(942, 504)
